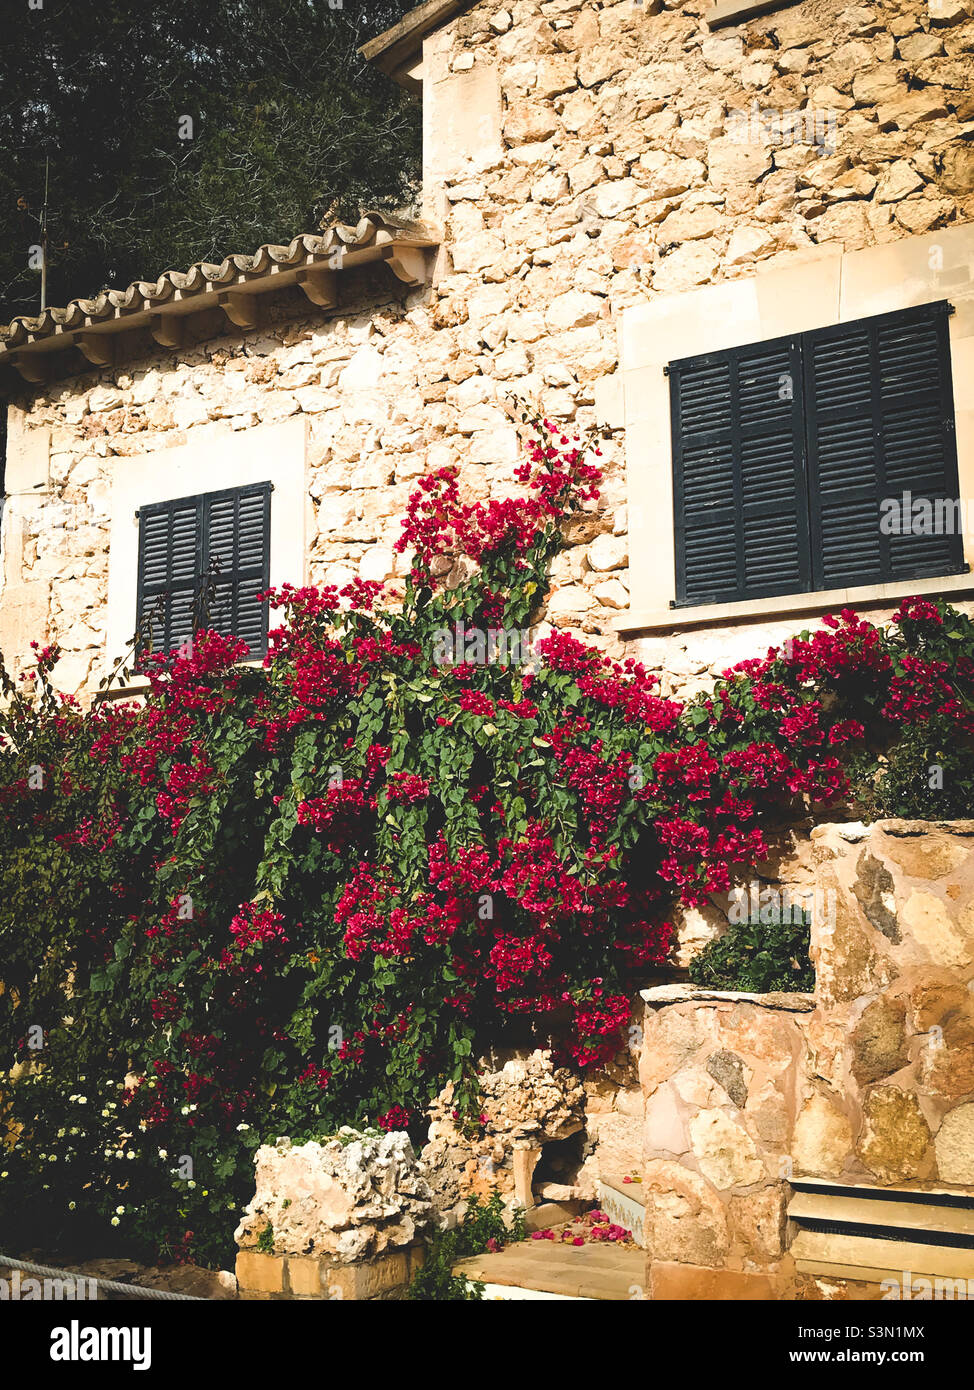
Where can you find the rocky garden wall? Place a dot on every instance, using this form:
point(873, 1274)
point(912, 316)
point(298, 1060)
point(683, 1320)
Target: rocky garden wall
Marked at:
point(870, 1081)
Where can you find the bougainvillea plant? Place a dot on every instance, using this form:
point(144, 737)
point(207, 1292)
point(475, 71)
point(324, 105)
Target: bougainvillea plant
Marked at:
point(274, 900)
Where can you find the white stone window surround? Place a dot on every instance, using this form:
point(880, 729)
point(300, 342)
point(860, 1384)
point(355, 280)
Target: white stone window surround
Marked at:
point(728, 12)
point(275, 453)
point(829, 287)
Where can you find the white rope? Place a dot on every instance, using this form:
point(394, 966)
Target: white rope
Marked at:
point(111, 1285)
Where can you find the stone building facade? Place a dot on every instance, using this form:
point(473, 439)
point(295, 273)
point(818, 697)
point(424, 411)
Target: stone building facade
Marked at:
point(607, 189)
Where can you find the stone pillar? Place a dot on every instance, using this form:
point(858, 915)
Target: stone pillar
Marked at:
point(721, 1077)
point(340, 1219)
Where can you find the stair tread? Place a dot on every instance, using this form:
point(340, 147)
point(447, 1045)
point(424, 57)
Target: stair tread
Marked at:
point(589, 1271)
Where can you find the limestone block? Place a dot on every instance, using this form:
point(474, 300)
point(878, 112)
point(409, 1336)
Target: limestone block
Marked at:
point(28, 453)
point(732, 163)
point(188, 411)
point(579, 112)
point(363, 372)
point(927, 853)
point(147, 387)
point(569, 603)
point(955, 1146)
point(882, 83)
point(461, 123)
point(895, 1137)
point(611, 594)
point(919, 215)
point(693, 263)
point(929, 920)
point(556, 74)
point(478, 250)
point(725, 1151)
point(689, 224)
point(944, 13)
point(910, 108)
point(665, 175)
point(898, 181)
point(685, 1218)
point(530, 120)
point(759, 1220)
point(608, 552)
point(823, 1138)
point(749, 244)
point(945, 1066)
point(573, 310)
point(262, 1273)
point(600, 61)
point(957, 176)
point(665, 1123)
point(378, 563)
point(105, 398)
point(847, 954)
point(878, 1041)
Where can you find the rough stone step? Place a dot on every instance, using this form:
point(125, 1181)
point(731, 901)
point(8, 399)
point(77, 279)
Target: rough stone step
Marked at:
point(611, 1273)
point(624, 1204)
point(616, 1181)
point(549, 1214)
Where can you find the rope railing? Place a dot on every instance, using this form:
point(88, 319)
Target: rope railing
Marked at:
point(109, 1285)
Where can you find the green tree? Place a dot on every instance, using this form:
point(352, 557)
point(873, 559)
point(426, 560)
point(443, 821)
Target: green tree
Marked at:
point(184, 132)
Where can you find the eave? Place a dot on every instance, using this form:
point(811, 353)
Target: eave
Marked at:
point(170, 309)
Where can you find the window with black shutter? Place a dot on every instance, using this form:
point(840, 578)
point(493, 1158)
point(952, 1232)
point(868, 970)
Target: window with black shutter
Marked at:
point(202, 562)
point(784, 451)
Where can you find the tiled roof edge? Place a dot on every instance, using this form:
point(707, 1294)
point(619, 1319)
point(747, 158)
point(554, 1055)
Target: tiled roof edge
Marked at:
point(381, 234)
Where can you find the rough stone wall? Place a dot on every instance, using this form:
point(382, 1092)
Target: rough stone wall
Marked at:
point(349, 1197)
point(527, 1102)
point(870, 1081)
point(615, 174)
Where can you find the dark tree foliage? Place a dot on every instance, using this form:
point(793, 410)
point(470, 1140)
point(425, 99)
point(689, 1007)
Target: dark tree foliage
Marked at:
point(289, 126)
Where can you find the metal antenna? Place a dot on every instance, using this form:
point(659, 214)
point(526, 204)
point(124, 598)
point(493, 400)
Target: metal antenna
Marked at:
point(47, 171)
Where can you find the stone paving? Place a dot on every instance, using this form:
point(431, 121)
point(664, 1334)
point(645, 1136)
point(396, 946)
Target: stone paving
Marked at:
point(576, 1271)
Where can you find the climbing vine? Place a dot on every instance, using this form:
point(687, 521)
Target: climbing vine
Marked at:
point(276, 900)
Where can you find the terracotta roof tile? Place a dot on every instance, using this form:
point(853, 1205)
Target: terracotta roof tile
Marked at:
point(375, 237)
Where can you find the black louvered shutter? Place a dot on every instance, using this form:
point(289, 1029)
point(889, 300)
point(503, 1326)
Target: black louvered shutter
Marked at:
point(170, 555)
point(739, 483)
point(880, 421)
point(237, 532)
point(219, 540)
